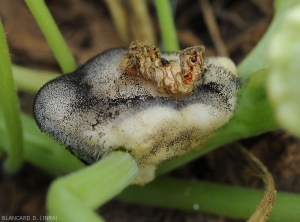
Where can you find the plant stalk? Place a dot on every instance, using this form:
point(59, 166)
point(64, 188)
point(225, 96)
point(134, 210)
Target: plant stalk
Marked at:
point(10, 108)
point(52, 34)
point(167, 26)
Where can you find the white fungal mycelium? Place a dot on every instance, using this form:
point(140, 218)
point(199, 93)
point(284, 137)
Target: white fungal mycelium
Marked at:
point(100, 108)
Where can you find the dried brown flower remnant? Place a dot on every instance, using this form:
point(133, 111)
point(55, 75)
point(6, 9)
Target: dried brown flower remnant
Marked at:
point(145, 60)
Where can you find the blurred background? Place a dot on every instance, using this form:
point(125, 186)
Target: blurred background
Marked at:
point(226, 27)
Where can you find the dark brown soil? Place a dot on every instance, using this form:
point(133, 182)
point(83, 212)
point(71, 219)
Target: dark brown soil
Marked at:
point(88, 30)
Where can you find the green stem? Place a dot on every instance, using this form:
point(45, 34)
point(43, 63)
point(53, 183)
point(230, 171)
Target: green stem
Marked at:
point(30, 80)
point(52, 34)
point(10, 108)
point(74, 197)
point(222, 200)
point(167, 26)
point(41, 150)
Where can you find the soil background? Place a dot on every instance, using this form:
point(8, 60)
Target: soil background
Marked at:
point(88, 29)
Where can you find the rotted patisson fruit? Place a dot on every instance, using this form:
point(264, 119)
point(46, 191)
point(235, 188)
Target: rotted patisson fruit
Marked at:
point(154, 106)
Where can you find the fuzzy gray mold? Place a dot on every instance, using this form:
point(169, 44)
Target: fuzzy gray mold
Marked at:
point(97, 109)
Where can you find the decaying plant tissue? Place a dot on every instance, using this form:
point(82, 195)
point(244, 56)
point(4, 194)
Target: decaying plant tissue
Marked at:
point(154, 106)
point(145, 60)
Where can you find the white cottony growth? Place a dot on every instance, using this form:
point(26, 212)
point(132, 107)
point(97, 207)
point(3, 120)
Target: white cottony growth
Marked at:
point(99, 108)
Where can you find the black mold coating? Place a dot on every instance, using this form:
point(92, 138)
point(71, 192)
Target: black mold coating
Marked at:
point(97, 93)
